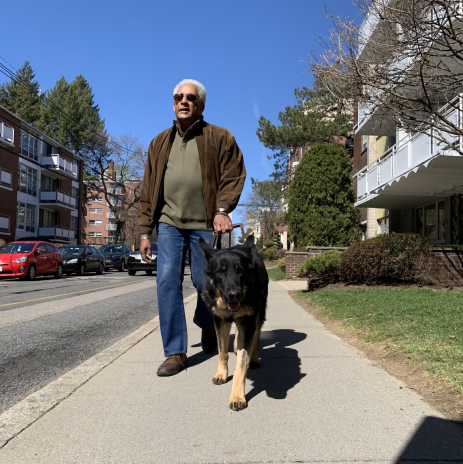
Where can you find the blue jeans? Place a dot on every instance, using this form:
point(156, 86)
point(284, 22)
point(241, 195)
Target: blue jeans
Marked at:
point(172, 247)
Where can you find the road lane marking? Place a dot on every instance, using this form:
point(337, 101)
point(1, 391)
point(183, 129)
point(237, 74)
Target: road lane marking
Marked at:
point(70, 293)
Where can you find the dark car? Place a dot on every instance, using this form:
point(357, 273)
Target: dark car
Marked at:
point(82, 259)
point(28, 259)
point(135, 262)
point(115, 256)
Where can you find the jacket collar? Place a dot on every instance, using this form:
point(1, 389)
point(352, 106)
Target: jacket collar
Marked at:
point(190, 132)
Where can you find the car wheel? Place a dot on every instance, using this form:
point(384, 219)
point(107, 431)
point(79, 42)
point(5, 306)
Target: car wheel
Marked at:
point(59, 271)
point(149, 272)
point(121, 267)
point(81, 270)
point(132, 273)
point(100, 269)
point(106, 269)
point(31, 272)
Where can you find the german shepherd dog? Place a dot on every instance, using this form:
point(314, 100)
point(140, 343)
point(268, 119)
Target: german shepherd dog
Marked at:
point(235, 290)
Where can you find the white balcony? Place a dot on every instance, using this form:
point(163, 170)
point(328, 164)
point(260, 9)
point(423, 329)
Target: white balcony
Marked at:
point(110, 215)
point(57, 200)
point(4, 224)
point(60, 164)
point(412, 172)
point(57, 233)
point(111, 227)
point(5, 179)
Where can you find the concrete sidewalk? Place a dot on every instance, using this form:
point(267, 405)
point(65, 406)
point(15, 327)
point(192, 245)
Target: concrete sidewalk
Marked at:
point(315, 399)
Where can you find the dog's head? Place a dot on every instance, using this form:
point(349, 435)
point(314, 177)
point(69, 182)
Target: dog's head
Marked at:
point(230, 271)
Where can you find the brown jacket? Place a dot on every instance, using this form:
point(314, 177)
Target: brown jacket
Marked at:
point(222, 169)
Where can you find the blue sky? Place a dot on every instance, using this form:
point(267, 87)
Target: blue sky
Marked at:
point(248, 54)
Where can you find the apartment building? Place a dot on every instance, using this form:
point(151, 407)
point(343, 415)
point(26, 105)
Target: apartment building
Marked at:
point(408, 182)
point(40, 184)
point(110, 212)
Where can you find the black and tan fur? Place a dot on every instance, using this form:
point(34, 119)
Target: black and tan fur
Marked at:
point(235, 290)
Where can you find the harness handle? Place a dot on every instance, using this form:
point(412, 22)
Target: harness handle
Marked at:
point(215, 235)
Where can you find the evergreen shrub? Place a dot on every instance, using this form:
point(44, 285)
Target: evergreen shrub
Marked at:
point(269, 254)
point(390, 259)
point(321, 199)
point(268, 243)
point(282, 264)
point(280, 253)
point(322, 269)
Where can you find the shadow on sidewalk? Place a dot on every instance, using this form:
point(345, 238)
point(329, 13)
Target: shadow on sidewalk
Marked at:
point(436, 440)
point(280, 366)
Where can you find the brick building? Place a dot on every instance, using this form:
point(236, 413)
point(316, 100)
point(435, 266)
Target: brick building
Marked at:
point(40, 184)
point(110, 212)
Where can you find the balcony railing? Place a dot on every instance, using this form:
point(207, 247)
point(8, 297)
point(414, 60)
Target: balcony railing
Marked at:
point(110, 215)
point(59, 197)
point(406, 155)
point(5, 178)
point(57, 232)
point(4, 223)
point(111, 227)
point(60, 164)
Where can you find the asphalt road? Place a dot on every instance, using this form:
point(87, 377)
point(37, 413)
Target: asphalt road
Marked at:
point(49, 326)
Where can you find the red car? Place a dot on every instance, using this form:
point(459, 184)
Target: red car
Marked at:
point(30, 259)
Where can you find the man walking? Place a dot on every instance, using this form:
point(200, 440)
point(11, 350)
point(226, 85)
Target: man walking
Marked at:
point(193, 179)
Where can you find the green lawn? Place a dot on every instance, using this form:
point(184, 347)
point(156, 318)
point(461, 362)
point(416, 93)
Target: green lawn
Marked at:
point(275, 273)
point(426, 325)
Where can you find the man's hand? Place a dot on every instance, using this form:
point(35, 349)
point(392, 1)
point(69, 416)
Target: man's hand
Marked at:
point(222, 224)
point(145, 250)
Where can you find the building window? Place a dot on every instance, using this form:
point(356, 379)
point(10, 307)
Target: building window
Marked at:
point(26, 217)
point(74, 224)
point(95, 223)
point(27, 180)
point(29, 146)
point(96, 210)
point(75, 193)
point(98, 198)
point(430, 222)
point(383, 225)
point(364, 142)
point(47, 218)
point(95, 234)
point(6, 133)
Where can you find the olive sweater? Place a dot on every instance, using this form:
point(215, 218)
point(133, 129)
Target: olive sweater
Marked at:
point(183, 186)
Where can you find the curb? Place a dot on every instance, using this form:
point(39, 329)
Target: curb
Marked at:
point(23, 414)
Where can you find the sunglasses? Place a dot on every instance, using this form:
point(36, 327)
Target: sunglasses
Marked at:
point(191, 97)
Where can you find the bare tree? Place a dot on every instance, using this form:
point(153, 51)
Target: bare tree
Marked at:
point(115, 168)
point(403, 64)
point(264, 206)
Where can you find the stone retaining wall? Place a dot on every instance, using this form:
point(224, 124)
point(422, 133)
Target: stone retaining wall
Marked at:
point(447, 267)
point(295, 259)
point(446, 264)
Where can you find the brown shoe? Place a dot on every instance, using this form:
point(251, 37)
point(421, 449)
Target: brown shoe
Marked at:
point(209, 339)
point(173, 365)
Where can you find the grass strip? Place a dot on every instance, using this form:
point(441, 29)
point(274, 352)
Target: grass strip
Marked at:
point(275, 273)
point(427, 325)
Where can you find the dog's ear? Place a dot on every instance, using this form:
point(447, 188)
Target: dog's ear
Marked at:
point(208, 251)
point(249, 243)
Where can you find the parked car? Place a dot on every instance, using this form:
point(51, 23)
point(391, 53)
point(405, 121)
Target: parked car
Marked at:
point(135, 262)
point(115, 256)
point(28, 259)
point(81, 259)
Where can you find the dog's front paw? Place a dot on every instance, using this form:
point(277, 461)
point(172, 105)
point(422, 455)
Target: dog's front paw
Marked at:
point(238, 404)
point(219, 379)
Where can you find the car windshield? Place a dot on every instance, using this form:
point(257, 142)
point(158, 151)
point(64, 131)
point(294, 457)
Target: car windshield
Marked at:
point(78, 250)
point(111, 249)
point(17, 248)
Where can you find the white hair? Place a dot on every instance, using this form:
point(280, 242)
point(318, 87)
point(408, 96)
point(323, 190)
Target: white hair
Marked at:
point(200, 87)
